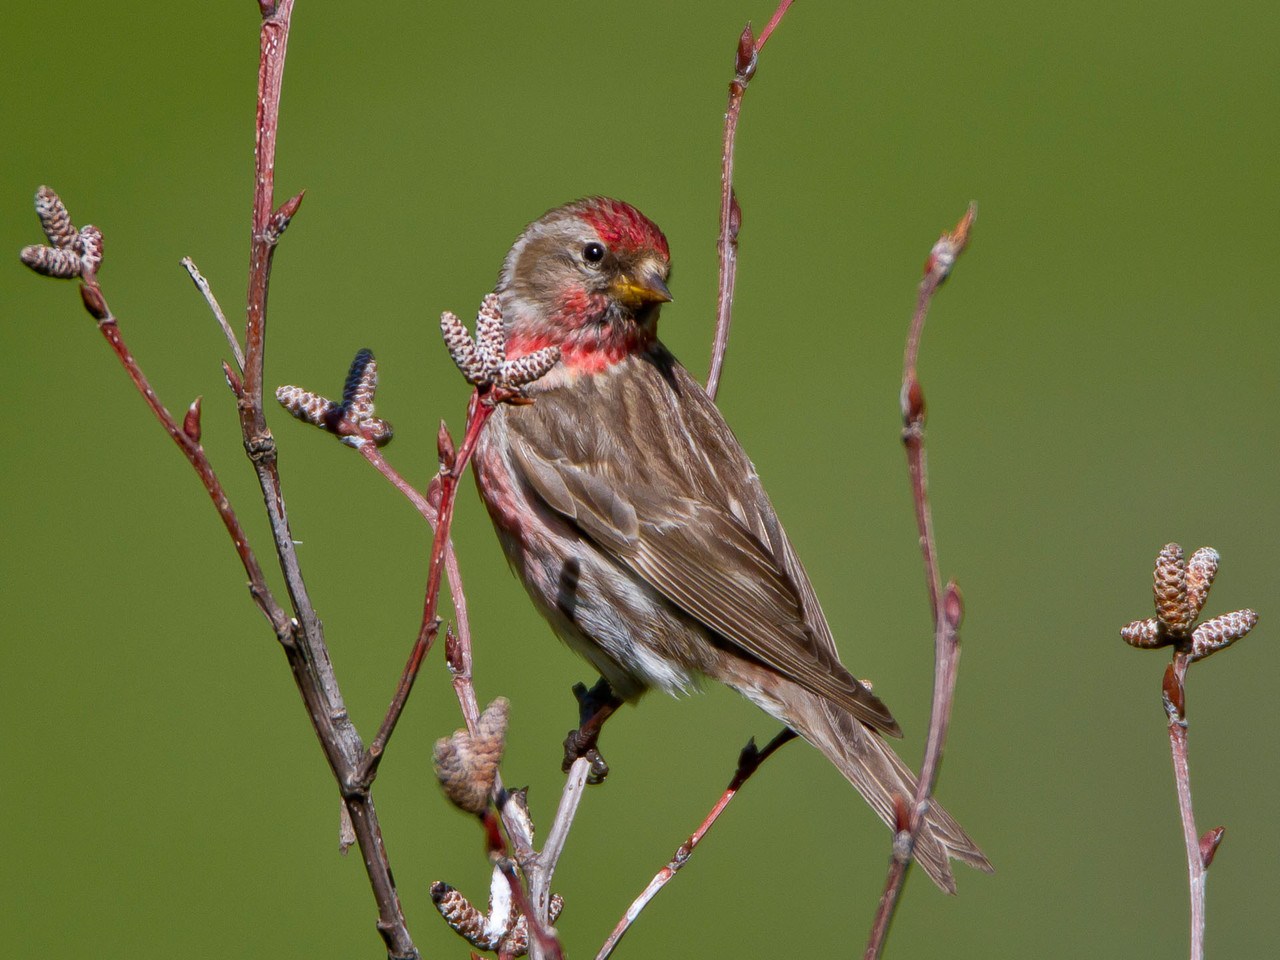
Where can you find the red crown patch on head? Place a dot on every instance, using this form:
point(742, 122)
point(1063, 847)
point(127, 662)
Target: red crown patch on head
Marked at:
point(621, 225)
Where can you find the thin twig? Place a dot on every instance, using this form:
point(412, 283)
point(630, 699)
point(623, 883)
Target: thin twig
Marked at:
point(559, 832)
point(543, 870)
point(478, 413)
point(461, 670)
point(332, 725)
point(1180, 589)
point(457, 645)
point(203, 286)
point(355, 432)
point(947, 609)
point(462, 673)
point(96, 302)
point(748, 762)
point(730, 212)
point(420, 503)
point(1175, 708)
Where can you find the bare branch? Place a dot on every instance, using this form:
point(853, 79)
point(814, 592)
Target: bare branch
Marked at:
point(730, 212)
point(544, 868)
point(187, 437)
point(1180, 590)
point(478, 414)
point(1175, 709)
point(457, 646)
point(948, 608)
point(207, 292)
point(300, 635)
point(748, 762)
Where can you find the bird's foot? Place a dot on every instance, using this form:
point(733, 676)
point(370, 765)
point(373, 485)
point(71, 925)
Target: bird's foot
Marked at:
point(595, 706)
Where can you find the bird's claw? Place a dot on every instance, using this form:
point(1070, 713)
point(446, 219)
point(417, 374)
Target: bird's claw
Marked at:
point(595, 705)
point(578, 745)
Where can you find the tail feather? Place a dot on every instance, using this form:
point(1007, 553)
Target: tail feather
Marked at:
point(879, 775)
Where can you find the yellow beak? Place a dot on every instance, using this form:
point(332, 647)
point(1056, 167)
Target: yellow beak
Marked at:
point(635, 292)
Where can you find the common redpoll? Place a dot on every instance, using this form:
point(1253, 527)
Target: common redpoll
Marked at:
point(638, 525)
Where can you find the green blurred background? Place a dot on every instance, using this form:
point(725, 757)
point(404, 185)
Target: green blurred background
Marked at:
point(1101, 373)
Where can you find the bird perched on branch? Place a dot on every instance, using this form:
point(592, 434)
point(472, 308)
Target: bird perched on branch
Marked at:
point(638, 525)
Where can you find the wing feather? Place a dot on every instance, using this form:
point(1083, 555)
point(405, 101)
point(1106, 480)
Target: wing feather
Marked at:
point(659, 506)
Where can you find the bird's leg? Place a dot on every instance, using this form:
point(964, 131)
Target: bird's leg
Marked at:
point(595, 706)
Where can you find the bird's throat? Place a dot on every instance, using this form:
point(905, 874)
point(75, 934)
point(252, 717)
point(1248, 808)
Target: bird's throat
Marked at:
point(590, 349)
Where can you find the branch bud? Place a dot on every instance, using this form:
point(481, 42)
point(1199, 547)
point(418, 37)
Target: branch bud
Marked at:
point(744, 62)
point(191, 422)
point(735, 216)
point(1209, 845)
point(233, 380)
point(912, 399)
point(1175, 694)
point(901, 814)
point(953, 605)
point(445, 448)
point(452, 651)
point(93, 302)
point(943, 255)
point(289, 209)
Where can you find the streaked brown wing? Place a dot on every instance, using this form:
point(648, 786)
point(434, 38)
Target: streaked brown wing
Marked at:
point(641, 491)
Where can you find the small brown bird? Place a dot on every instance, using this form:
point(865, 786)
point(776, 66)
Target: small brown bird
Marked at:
point(638, 525)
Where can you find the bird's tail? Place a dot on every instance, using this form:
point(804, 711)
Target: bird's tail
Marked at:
point(869, 763)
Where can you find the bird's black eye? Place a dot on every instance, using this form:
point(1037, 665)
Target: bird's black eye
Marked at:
point(593, 252)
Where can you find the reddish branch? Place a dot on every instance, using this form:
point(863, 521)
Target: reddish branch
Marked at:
point(300, 635)
point(443, 491)
point(457, 645)
point(482, 361)
point(308, 656)
point(744, 69)
point(748, 762)
point(452, 465)
point(188, 442)
point(948, 608)
point(353, 420)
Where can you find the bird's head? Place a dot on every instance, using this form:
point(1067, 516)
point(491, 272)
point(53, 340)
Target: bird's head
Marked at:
point(588, 277)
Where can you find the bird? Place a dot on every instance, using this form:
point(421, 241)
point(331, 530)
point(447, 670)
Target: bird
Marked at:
point(638, 525)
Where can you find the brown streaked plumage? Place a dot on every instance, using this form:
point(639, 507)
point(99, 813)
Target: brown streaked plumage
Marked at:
point(639, 526)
